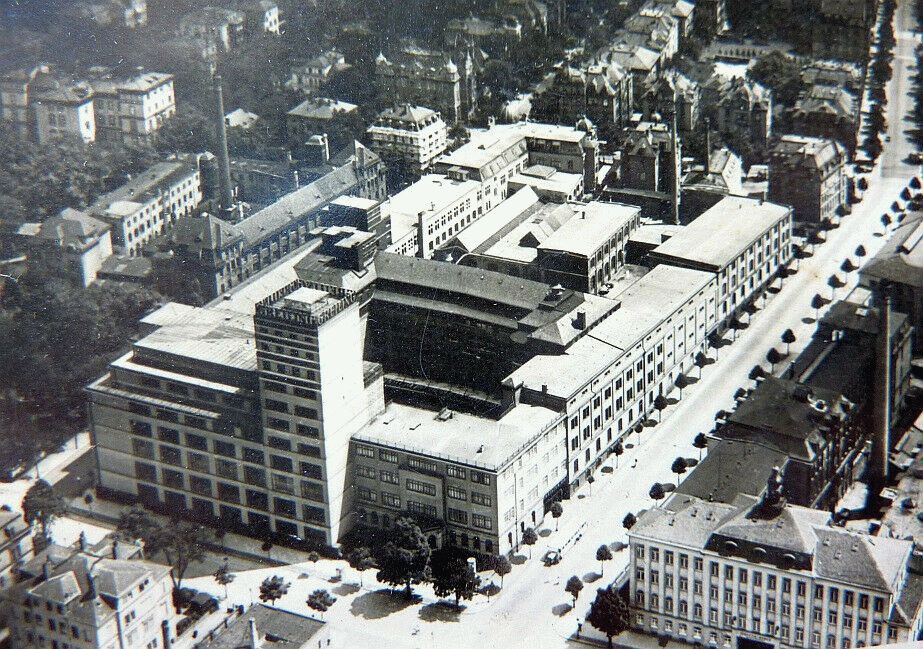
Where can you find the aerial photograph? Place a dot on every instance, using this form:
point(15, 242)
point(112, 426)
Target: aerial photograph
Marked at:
point(461, 324)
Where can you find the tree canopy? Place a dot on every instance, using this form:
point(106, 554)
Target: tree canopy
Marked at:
point(405, 558)
point(42, 505)
point(455, 578)
point(273, 588)
point(609, 613)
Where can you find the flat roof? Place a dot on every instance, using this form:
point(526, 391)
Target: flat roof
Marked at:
point(462, 438)
point(521, 243)
point(559, 181)
point(723, 231)
point(429, 195)
point(590, 228)
point(125, 200)
point(644, 306)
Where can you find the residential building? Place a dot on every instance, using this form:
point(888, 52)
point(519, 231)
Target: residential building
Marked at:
point(650, 159)
point(149, 204)
point(827, 112)
point(711, 17)
point(310, 77)
point(63, 109)
point(809, 174)
point(602, 93)
point(214, 30)
point(705, 185)
point(654, 30)
point(16, 547)
point(755, 242)
point(641, 62)
point(472, 482)
point(129, 14)
point(443, 82)
point(740, 110)
point(240, 118)
point(260, 16)
point(897, 268)
point(133, 109)
point(673, 94)
point(262, 625)
point(218, 255)
point(72, 245)
point(840, 74)
point(606, 382)
point(313, 116)
point(91, 597)
point(408, 138)
point(262, 182)
point(760, 572)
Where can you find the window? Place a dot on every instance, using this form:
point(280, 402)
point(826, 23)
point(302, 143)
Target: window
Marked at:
point(480, 478)
point(455, 492)
point(391, 477)
point(390, 500)
point(254, 476)
point(654, 554)
point(279, 443)
point(364, 451)
point(253, 455)
point(457, 516)
point(421, 465)
point(387, 456)
point(365, 494)
point(366, 472)
point(225, 448)
point(170, 435)
point(197, 442)
point(197, 462)
point(483, 522)
point(421, 487)
point(309, 470)
point(455, 472)
point(279, 463)
point(480, 499)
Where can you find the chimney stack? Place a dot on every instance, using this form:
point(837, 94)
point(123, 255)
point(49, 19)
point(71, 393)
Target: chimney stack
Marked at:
point(254, 636)
point(881, 442)
point(226, 195)
point(707, 145)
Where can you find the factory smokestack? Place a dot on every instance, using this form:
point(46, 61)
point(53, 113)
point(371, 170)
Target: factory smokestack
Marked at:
point(226, 195)
point(881, 444)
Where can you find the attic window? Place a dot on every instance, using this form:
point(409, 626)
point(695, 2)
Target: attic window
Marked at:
point(272, 637)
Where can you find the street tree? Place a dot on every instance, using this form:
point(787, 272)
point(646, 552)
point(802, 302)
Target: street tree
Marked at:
point(834, 283)
point(678, 467)
point(273, 588)
point(603, 554)
point(657, 493)
point(886, 221)
point(629, 521)
point(773, 357)
point(817, 302)
point(721, 414)
point(530, 538)
point(740, 394)
point(136, 524)
point(714, 342)
point(639, 428)
point(757, 373)
point(182, 544)
point(224, 577)
point(360, 560)
point(847, 266)
point(862, 184)
point(660, 403)
point(405, 558)
point(701, 443)
point(320, 600)
point(573, 587)
point(557, 509)
point(267, 548)
point(502, 567)
point(788, 337)
point(701, 360)
point(455, 577)
point(736, 325)
point(860, 251)
point(42, 505)
point(609, 613)
point(618, 450)
point(681, 384)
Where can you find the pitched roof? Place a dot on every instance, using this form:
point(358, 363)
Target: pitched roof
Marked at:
point(280, 629)
point(900, 260)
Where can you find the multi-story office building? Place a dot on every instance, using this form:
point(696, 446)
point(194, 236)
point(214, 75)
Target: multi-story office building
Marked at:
point(431, 211)
point(98, 598)
point(239, 418)
point(607, 381)
point(408, 138)
point(742, 241)
point(149, 204)
point(760, 573)
point(476, 483)
point(133, 109)
point(809, 174)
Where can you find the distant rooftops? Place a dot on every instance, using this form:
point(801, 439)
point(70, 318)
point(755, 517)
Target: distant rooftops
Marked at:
point(321, 108)
point(804, 151)
point(274, 628)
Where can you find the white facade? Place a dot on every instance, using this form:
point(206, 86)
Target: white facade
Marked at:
point(134, 109)
point(65, 119)
point(412, 136)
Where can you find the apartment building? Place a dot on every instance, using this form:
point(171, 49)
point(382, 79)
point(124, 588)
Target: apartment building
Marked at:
point(602, 93)
point(809, 174)
point(99, 598)
point(760, 573)
point(742, 241)
point(475, 483)
point(63, 109)
point(72, 245)
point(409, 138)
point(133, 109)
point(149, 204)
point(431, 211)
point(607, 381)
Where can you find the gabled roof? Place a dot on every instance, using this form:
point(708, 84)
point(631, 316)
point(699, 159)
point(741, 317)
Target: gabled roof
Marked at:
point(206, 232)
point(901, 258)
